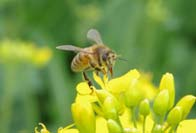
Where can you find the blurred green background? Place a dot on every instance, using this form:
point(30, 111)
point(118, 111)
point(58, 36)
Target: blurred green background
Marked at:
point(36, 82)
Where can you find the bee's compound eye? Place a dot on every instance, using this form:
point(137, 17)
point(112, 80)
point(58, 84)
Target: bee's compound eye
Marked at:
point(104, 57)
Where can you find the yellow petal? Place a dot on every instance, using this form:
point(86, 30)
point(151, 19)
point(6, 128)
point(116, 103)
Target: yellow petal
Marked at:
point(83, 88)
point(101, 125)
point(89, 98)
point(125, 119)
point(149, 123)
point(98, 79)
point(120, 84)
point(83, 116)
point(65, 130)
point(187, 126)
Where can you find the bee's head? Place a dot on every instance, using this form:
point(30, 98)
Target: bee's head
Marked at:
point(109, 59)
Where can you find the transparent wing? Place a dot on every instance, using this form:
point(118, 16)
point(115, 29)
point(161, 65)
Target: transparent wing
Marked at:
point(70, 48)
point(93, 35)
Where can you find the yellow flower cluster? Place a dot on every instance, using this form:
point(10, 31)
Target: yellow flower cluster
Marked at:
point(129, 104)
point(27, 52)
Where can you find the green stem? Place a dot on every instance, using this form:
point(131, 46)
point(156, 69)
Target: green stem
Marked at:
point(70, 126)
point(118, 120)
point(153, 126)
point(133, 110)
point(160, 119)
point(171, 130)
point(144, 124)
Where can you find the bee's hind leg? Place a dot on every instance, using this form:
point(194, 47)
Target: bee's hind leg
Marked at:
point(90, 84)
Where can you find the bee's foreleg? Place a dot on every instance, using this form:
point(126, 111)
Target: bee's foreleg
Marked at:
point(90, 84)
point(97, 70)
point(97, 73)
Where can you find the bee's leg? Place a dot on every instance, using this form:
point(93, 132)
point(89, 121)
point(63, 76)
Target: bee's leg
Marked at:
point(90, 84)
point(97, 70)
point(104, 71)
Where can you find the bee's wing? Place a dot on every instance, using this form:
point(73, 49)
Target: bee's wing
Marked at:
point(70, 48)
point(93, 35)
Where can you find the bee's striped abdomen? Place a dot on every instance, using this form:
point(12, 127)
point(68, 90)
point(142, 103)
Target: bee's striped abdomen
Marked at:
point(80, 62)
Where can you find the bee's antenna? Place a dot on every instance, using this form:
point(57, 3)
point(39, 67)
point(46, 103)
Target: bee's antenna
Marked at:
point(122, 59)
point(119, 58)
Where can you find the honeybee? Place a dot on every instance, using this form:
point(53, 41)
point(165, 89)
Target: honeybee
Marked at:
point(97, 57)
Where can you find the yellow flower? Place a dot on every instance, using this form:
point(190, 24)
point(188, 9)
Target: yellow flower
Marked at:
point(110, 98)
point(83, 116)
point(121, 84)
point(12, 51)
point(123, 105)
point(42, 56)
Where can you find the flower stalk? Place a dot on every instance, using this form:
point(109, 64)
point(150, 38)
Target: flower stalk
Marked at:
point(134, 117)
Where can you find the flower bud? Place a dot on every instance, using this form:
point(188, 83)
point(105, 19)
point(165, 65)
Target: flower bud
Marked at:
point(167, 82)
point(83, 116)
point(133, 95)
point(104, 94)
point(144, 107)
point(109, 109)
point(161, 101)
point(174, 116)
point(114, 127)
point(186, 104)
